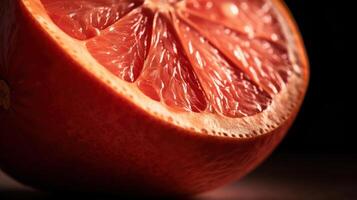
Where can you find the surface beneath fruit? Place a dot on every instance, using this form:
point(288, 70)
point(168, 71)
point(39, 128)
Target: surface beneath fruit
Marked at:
point(228, 57)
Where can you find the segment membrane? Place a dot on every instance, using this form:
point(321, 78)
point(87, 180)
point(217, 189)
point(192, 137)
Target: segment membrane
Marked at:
point(167, 75)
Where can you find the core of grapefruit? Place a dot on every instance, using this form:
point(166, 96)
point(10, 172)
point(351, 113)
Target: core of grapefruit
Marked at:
point(167, 97)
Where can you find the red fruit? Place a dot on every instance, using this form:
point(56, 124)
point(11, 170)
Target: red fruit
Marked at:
point(152, 97)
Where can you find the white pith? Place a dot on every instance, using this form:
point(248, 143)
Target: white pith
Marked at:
point(204, 122)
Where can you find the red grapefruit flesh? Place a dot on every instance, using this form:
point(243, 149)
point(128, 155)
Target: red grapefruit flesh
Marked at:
point(164, 97)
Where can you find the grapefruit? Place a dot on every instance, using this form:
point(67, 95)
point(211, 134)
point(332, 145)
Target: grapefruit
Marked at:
point(167, 97)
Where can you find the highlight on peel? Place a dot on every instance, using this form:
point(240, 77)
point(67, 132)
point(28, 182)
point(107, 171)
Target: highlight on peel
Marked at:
point(216, 66)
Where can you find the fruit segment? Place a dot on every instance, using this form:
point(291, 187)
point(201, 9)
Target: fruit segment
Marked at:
point(83, 19)
point(255, 18)
point(167, 75)
point(229, 90)
point(264, 60)
point(123, 47)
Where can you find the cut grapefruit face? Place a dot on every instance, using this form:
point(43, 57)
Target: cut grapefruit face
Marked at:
point(231, 68)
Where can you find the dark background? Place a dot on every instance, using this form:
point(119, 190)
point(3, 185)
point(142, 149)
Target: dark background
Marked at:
point(325, 124)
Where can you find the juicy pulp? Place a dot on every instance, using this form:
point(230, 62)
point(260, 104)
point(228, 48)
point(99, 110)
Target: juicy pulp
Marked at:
point(226, 57)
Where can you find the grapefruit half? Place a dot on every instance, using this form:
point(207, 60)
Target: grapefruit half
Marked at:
point(165, 97)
